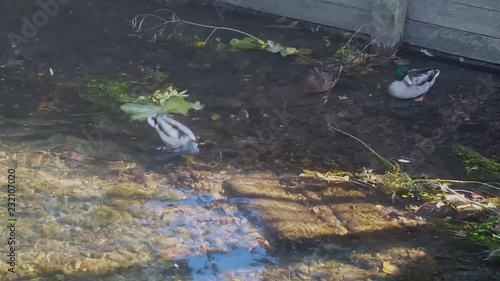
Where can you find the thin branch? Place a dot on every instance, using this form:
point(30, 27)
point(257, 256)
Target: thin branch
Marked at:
point(220, 27)
point(493, 254)
point(457, 181)
point(352, 37)
point(371, 42)
point(138, 26)
point(335, 129)
point(209, 36)
point(449, 190)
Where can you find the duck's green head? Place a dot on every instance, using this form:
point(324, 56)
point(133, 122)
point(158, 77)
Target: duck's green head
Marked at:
point(400, 72)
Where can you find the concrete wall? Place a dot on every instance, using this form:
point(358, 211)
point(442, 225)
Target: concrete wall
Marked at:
point(466, 28)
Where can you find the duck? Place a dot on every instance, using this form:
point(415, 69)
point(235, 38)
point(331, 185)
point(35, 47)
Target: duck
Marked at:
point(324, 79)
point(413, 83)
point(179, 139)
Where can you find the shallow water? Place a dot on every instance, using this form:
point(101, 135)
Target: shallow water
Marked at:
point(93, 206)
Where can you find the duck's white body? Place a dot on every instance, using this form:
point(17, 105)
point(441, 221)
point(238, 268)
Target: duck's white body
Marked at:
point(416, 83)
point(176, 135)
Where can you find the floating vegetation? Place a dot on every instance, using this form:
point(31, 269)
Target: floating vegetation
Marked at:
point(251, 43)
point(354, 60)
point(167, 101)
point(248, 43)
point(108, 92)
point(141, 112)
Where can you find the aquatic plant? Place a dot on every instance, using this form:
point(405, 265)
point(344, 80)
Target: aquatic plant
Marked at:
point(250, 42)
point(398, 181)
point(353, 59)
point(477, 165)
point(167, 101)
point(485, 232)
point(107, 92)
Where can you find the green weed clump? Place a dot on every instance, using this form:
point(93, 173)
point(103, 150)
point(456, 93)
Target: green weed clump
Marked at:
point(478, 166)
point(107, 93)
point(484, 233)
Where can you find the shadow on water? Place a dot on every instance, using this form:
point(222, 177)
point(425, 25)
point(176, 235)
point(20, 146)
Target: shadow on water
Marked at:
point(94, 206)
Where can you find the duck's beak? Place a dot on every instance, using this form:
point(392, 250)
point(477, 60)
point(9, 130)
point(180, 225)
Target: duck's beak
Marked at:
point(192, 148)
point(408, 80)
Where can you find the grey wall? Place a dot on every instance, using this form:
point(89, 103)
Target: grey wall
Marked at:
point(467, 28)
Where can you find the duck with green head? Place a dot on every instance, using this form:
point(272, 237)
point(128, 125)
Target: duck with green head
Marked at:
point(413, 83)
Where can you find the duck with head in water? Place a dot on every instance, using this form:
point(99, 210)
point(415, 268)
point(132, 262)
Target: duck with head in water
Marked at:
point(324, 79)
point(179, 139)
point(412, 84)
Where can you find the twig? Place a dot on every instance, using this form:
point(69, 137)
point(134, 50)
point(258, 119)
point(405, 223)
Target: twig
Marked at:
point(457, 181)
point(449, 190)
point(352, 37)
point(335, 129)
point(492, 254)
point(137, 24)
point(395, 168)
point(220, 27)
point(371, 42)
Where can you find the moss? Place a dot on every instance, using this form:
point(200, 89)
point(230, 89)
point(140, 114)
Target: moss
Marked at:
point(109, 92)
point(484, 233)
point(477, 165)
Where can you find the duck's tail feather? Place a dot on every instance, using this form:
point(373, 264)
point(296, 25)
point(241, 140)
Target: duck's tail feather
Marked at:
point(436, 73)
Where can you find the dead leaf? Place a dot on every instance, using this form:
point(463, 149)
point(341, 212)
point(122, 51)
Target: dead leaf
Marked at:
point(305, 51)
point(48, 106)
point(389, 268)
point(197, 105)
point(200, 43)
point(427, 53)
point(347, 35)
point(215, 116)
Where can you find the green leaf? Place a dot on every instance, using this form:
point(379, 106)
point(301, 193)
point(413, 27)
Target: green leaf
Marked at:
point(305, 51)
point(274, 47)
point(140, 111)
point(247, 43)
point(177, 104)
point(288, 51)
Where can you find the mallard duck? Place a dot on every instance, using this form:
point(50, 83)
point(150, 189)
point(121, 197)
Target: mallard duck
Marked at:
point(323, 80)
point(179, 138)
point(412, 84)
